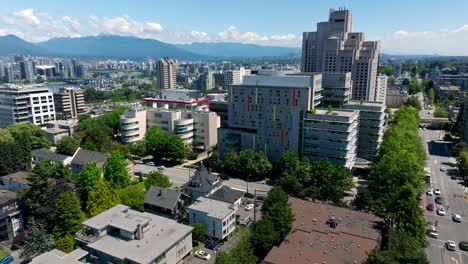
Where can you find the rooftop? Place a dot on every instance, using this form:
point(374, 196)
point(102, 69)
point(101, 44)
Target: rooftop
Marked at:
point(162, 197)
point(316, 239)
point(83, 156)
point(278, 81)
point(227, 194)
point(44, 153)
point(19, 177)
point(449, 88)
point(202, 181)
point(334, 113)
point(58, 257)
point(159, 234)
point(6, 196)
point(212, 208)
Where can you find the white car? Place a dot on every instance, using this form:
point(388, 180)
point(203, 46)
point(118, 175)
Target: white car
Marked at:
point(429, 192)
point(249, 207)
point(443, 169)
point(433, 232)
point(456, 218)
point(202, 254)
point(161, 168)
point(440, 210)
point(437, 191)
point(150, 163)
point(450, 245)
point(138, 162)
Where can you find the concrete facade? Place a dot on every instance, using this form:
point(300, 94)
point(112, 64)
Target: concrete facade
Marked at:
point(25, 103)
point(331, 135)
point(371, 127)
point(133, 124)
point(381, 93)
point(335, 48)
point(70, 102)
point(166, 73)
point(265, 113)
point(337, 89)
point(11, 219)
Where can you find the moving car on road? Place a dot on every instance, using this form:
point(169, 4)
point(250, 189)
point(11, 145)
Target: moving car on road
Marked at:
point(440, 210)
point(463, 245)
point(202, 254)
point(433, 232)
point(161, 167)
point(437, 191)
point(450, 245)
point(456, 218)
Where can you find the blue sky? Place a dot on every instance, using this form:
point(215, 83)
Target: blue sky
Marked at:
point(417, 26)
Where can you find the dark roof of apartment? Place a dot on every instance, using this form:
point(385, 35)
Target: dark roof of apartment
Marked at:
point(227, 194)
point(202, 181)
point(6, 196)
point(84, 156)
point(44, 153)
point(162, 197)
point(316, 238)
point(19, 177)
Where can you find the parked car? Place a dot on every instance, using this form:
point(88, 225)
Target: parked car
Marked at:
point(249, 195)
point(150, 163)
point(161, 167)
point(6, 260)
point(437, 191)
point(433, 232)
point(249, 207)
point(450, 245)
point(439, 200)
point(443, 169)
point(463, 245)
point(456, 218)
point(429, 192)
point(440, 210)
point(202, 254)
point(138, 161)
point(430, 207)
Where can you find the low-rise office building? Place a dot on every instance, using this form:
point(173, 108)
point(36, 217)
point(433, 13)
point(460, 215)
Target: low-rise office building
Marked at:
point(218, 217)
point(331, 134)
point(371, 127)
point(11, 219)
point(336, 88)
point(133, 124)
point(121, 235)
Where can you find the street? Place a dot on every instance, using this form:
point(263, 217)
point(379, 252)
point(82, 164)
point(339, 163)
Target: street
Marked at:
point(453, 200)
point(179, 176)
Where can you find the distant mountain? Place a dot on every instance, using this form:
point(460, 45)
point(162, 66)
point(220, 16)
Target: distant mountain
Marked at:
point(110, 46)
point(239, 50)
point(11, 45)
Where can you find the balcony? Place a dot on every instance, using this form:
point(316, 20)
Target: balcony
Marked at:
point(87, 235)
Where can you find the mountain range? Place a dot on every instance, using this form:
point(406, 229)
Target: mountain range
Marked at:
point(126, 47)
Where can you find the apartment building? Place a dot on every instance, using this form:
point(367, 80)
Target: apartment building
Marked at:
point(382, 84)
point(69, 101)
point(188, 125)
point(218, 217)
point(55, 256)
point(235, 76)
point(11, 219)
point(25, 103)
point(335, 48)
point(133, 124)
point(331, 134)
point(121, 235)
point(371, 127)
point(179, 99)
point(265, 112)
point(166, 73)
point(336, 89)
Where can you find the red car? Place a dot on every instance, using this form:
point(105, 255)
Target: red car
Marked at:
point(419, 196)
point(430, 207)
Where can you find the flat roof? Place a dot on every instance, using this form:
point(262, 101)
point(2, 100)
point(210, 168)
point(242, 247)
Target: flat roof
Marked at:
point(313, 240)
point(7, 195)
point(159, 235)
point(334, 112)
point(212, 208)
point(277, 81)
point(19, 177)
point(59, 257)
point(449, 88)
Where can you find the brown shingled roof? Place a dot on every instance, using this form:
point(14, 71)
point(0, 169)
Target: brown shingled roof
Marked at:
point(313, 240)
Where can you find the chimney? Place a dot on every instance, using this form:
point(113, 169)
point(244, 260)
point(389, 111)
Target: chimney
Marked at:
point(139, 232)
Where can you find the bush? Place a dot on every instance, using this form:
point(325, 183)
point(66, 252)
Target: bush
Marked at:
point(440, 112)
point(190, 155)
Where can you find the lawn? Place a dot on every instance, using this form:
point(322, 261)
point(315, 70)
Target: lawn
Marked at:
point(3, 254)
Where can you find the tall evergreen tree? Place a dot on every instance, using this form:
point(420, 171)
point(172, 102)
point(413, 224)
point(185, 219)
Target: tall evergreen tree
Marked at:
point(116, 172)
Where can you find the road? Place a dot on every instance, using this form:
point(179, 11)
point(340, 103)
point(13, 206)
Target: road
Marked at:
point(453, 200)
point(179, 176)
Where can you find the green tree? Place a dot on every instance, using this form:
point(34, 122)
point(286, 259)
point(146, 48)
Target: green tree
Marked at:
point(68, 214)
point(276, 209)
point(431, 96)
point(291, 164)
point(116, 172)
point(264, 236)
point(226, 258)
point(440, 111)
point(363, 200)
point(198, 232)
point(158, 179)
point(230, 163)
point(67, 146)
point(36, 241)
point(87, 179)
point(414, 102)
point(243, 252)
point(34, 133)
point(174, 148)
point(65, 243)
point(101, 198)
point(255, 164)
point(162, 146)
point(133, 196)
point(5, 136)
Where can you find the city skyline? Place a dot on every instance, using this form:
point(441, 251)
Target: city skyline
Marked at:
point(430, 22)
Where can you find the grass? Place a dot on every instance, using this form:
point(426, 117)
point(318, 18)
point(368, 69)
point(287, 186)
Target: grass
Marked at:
point(3, 254)
point(197, 247)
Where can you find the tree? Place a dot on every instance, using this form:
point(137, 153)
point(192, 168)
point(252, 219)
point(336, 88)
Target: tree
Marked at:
point(162, 146)
point(264, 237)
point(291, 164)
point(243, 252)
point(414, 102)
point(133, 196)
point(405, 82)
point(87, 179)
point(67, 146)
point(158, 179)
point(116, 172)
point(255, 164)
point(226, 258)
point(363, 200)
point(440, 111)
point(276, 209)
point(174, 148)
point(198, 232)
point(101, 198)
point(65, 243)
point(431, 96)
point(36, 241)
point(68, 217)
point(34, 133)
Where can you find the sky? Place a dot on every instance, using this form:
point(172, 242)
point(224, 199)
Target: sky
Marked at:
point(403, 27)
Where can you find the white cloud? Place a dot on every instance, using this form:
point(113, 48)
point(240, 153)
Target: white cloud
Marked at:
point(231, 34)
point(28, 16)
point(154, 27)
point(463, 28)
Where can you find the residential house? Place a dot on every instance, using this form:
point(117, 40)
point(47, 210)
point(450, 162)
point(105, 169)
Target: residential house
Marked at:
point(11, 219)
point(228, 195)
point(218, 217)
point(165, 202)
point(83, 156)
point(121, 235)
point(15, 181)
point(45, 154)
point(202, 183)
